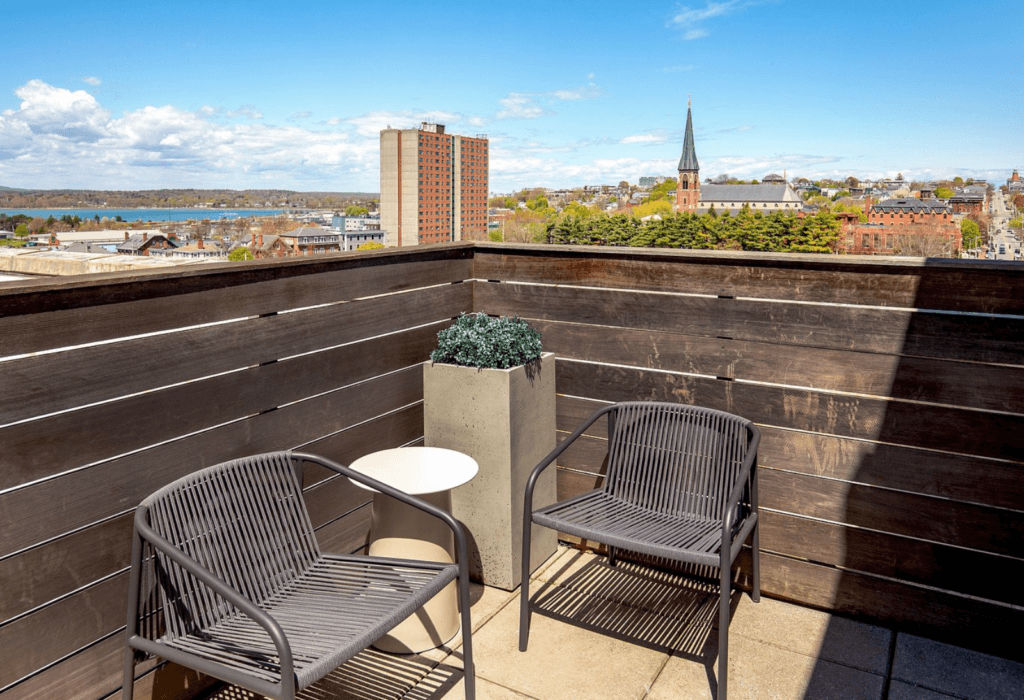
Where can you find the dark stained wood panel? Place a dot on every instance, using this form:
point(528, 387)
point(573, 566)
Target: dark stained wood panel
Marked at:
point(936, 614)
point(991, 387)
point(348, 534)
point(40, 385)
point(56, 568)
point(37, 639)
point(90, 673)
point(865, 329)
point(902, 558)
point(967, 478)
point(897, 422)
point(40, 448)
point(86, 496)
point(958, 285)
point(940, 520)
point(92, 308)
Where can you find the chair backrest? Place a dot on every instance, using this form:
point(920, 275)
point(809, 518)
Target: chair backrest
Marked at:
point(674, 458)
point(243, 520)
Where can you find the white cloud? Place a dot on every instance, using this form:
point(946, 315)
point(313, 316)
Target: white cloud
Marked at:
point(64, 138)
point(92, 80)
point(371, 123)
point(532, 105)
point(644, 138)
point(690, 19)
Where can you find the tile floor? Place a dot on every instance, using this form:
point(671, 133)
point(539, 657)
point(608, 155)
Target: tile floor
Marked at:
point(633, 633)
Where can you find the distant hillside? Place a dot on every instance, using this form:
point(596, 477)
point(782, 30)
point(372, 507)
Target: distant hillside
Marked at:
point(14, 198)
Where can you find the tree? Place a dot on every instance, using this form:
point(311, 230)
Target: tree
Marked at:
point(371, 245)
point(624, 185)
point(21, 231)
point(970, 233)
point(943, 192)
point(852, 182)
point(240, 253)
point(356, 210)
point(663, 190)
point(958, 181)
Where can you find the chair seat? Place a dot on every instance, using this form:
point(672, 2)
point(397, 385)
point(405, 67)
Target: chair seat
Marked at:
point(338, 607)
point(604, 518)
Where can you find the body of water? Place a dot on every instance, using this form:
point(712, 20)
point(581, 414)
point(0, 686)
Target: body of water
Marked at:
point(146, 214)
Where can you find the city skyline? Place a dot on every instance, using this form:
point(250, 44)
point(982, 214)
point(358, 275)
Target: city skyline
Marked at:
point(261, 95)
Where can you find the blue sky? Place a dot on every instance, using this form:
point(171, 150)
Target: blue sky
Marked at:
point(118, 95)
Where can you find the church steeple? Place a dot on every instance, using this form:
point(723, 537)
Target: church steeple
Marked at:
point(688, 184)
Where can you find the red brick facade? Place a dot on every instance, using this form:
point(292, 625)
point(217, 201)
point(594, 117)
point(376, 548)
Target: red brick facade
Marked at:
point(445, 203)
point(919, 238)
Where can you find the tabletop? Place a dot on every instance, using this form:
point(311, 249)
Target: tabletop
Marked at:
point(417, 470)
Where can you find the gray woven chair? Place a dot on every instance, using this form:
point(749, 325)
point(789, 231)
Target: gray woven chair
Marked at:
point(227, 578)
point(681, 484)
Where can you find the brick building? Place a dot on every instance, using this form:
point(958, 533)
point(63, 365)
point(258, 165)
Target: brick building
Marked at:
point(433, 185)
point(908, 210)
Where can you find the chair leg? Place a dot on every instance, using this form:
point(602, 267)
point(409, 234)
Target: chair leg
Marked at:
point(524, 588)
point(755, 592)
point(469, 668)
point(128, 679)
point(723, 631)
point(612, 559)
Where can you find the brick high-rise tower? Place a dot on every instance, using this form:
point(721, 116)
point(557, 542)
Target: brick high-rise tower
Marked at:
point(433, 185)
point(688, 185)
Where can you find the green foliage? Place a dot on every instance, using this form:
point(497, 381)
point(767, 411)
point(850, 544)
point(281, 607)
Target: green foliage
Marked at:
point(970, 234)
point(21, 231)
point(370, 245)
point(776, 232)
point(943, 192)
point(478, 340)
point(1016, 223)
point(494, 236)
point(11, 243)
point(356, 210)
point(240, 253)
point(661, 206)
point(664, 190)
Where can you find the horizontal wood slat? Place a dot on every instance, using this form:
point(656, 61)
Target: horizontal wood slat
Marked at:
point(92, 308)
point(934, 519)
point(39, 449)
point(904, 558)
point(37, 639)
point(952, 285)
point(84, 497)
point(992, 387)
point(964, 622)
point(36, 386)
point(934, 427)
point(966, 478)
point(887, 331)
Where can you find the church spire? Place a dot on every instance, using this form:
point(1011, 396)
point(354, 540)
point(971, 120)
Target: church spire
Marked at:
point(688, 184)
point(688, 161)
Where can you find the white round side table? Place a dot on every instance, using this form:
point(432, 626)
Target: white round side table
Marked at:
point(400, 531)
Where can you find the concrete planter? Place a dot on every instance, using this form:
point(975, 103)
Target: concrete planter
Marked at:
point(505, 420)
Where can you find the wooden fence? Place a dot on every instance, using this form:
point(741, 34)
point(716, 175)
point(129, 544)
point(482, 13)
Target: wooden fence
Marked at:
point(890, 396)
point(889, 393)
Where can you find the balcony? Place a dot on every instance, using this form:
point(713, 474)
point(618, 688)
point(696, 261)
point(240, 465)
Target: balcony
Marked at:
point(889, 393)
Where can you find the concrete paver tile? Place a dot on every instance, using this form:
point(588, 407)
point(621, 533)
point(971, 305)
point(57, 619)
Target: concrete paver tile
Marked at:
point(905, 691)
point(960, 672)
point(813, 633)
point(564, 660)
point(759, 671)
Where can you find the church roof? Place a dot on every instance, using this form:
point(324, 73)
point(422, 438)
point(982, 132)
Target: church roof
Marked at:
point(747, 193)
point(688, 161)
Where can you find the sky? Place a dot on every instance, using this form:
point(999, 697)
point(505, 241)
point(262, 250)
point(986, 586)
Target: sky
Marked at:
point(293, 95)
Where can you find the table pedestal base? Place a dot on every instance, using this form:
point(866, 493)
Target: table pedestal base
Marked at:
point(400, 531)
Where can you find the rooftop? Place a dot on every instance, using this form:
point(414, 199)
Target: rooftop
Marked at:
point(888, 391)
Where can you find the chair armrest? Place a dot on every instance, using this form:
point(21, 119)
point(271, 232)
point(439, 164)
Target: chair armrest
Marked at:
point(219, 586)
point(553, 455)
point(447, 518)
point(737, 488)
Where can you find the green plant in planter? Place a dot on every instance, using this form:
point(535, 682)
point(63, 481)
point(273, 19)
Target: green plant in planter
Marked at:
point(478, 340)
